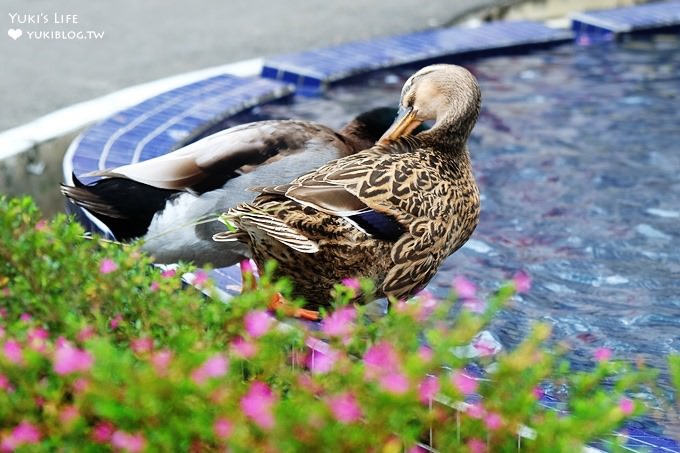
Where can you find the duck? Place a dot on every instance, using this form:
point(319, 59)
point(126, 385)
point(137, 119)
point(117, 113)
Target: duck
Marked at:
point(391, 213)
point(172, 202)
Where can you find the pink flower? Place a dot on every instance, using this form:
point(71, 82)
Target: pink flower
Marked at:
point(464, 383)
point(115, 322)
point(394, 382)
point(248, 267)
point(257, 323)
point(493, 421)
point(200, 277)
point(142, 345)
point(168, 273)
point(522, 282)
point(161, 360)
point(351, 283)
point(344, 407)
point(474, 305)
point(307, 384)
point(13, 352)
point(382, 363)
point(476, 410)
point(25, 317)
point(403, 306)
point(22, 434)
point(320, 362)
point(427, 298)
point(626, 405)
point(5, 384)
point(215, 366)
point(425, 303)
point(223, 428)
point(41, 225)
point(602, 354)
point(102, 432)
point(85, 334)
point(340, 322)
point(485, 345)
point(417, 449)
point(476, 446)
point(425, 354)
point(464, 287)
point(380, 358)
point(39, 401)
point(428, 389)
point(538, 393)
point(154, 286)
point(257, 405)
point(106, 266)
point(62, 342)
point(129, 442)
point(244, 349)
point(80, 385)
point(36, 339)
point(68, 359)
point(68, 414)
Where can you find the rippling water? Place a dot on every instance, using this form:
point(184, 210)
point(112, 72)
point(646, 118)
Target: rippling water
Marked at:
point(577, 155)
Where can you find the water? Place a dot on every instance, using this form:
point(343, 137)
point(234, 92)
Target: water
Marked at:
point(577, 155)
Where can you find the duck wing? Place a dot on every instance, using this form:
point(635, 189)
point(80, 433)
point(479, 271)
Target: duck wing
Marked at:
point(331, 189)
point(394, 193)
point(210, 162)
point(354, 184)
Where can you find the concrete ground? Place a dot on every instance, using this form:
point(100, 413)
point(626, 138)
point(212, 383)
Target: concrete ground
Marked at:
point(146, 40)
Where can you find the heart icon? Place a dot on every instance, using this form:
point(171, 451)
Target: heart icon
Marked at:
point(15, 33)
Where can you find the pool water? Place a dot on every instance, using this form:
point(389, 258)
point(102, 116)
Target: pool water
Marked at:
point(577, 155)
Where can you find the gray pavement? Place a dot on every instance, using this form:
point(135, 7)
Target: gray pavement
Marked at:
point(47, 67)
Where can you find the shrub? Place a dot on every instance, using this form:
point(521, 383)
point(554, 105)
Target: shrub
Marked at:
point(99, 350)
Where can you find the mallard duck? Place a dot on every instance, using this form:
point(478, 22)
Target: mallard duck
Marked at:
point(391, 213)
point(172, 202)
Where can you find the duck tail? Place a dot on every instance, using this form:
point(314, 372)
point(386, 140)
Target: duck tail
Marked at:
point(125, 206)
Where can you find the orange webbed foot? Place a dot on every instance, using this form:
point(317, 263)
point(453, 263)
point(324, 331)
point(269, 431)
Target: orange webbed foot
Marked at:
point(280, 303)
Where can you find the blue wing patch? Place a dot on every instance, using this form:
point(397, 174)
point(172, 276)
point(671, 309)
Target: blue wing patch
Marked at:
point(379, 225)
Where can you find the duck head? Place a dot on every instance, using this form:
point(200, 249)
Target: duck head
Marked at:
point(447, 94)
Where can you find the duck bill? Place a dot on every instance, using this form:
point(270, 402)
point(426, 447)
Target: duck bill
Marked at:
point(405, 123)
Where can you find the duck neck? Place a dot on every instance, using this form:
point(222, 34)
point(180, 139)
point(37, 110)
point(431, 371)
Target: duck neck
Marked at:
point(454, 129)
point(359, 136)
point(355, 140)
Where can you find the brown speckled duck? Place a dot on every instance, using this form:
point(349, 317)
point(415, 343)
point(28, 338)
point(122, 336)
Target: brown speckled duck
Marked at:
point(391, 213)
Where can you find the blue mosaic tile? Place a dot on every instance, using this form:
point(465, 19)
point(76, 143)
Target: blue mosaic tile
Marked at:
point(91, 145)
point(636, 437)
point(190, 122)
point(83, 164)
point(117, 139)
point(161, 141)
point(604, 25)
point(315, 69)
point(649, 444)
point(117, 161)
point(227, 280)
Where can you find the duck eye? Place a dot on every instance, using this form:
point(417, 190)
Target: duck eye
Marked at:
point(411, 100)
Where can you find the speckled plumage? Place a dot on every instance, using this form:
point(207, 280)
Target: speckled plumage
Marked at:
point(423, 182)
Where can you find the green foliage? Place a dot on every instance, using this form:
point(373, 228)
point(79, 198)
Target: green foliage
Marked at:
point(101, 351)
